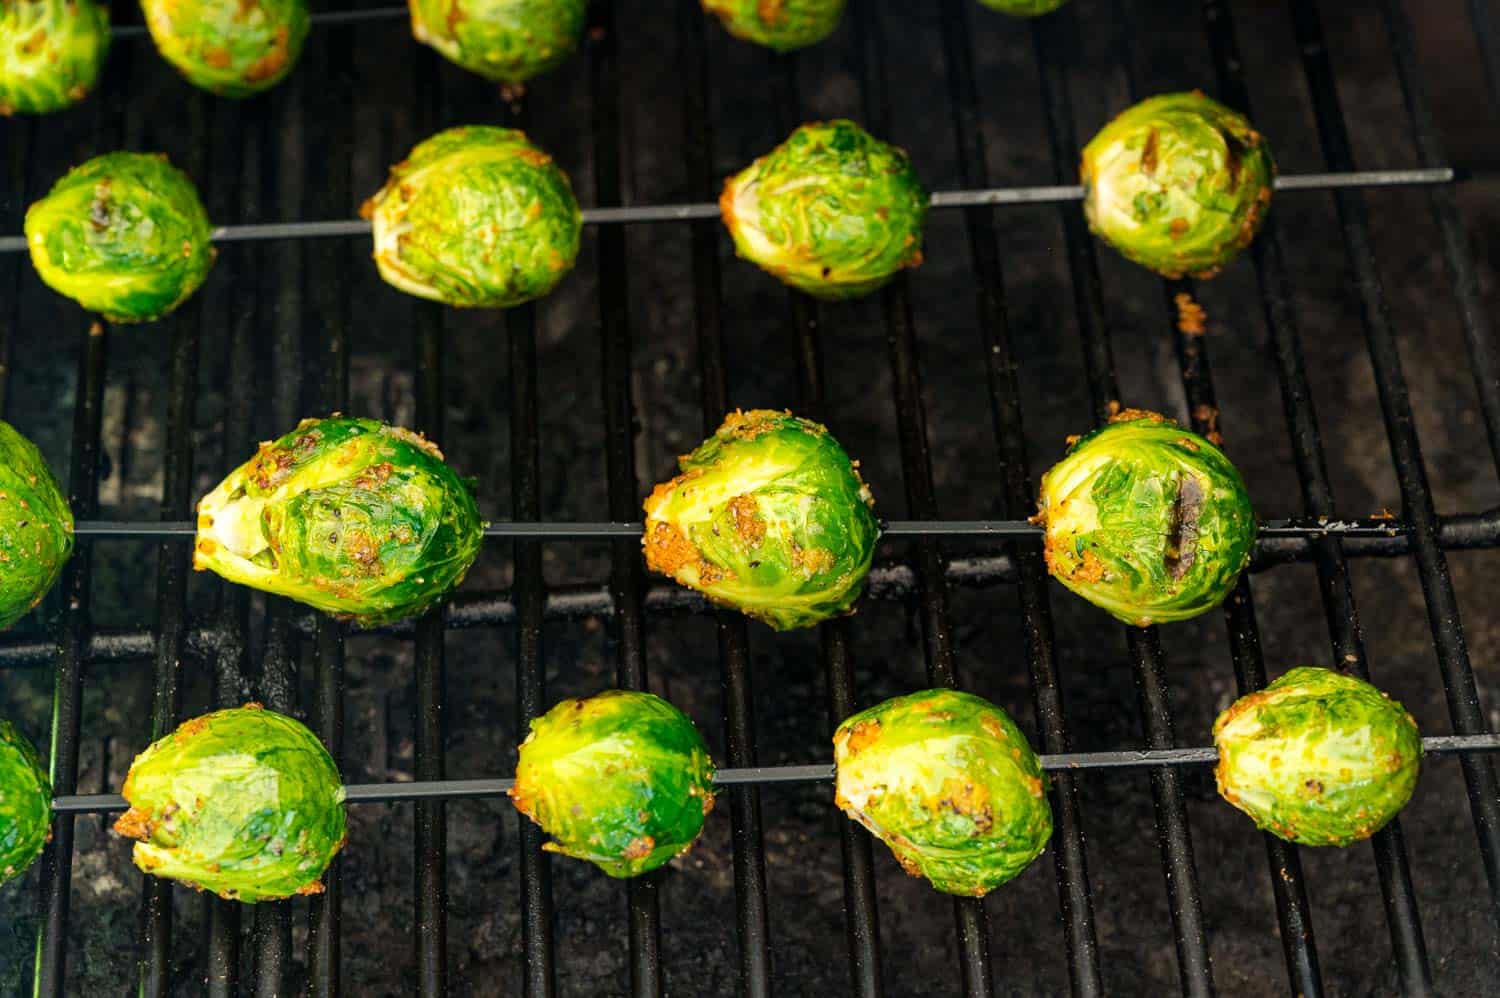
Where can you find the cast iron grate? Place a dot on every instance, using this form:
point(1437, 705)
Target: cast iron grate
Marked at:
point(626, 601)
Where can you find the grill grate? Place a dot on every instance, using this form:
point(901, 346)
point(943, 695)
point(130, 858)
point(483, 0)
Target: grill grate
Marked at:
point(628, 600)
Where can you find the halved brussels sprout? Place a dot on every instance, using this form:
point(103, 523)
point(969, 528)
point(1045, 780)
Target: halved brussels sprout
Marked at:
point(233, 48)
point(51, 53)
point(1146, 520)
point(350, 516)
point(25, 804)
point(475, 216)
point(948, 781)
point(124, 235)
point(245, 803)
point(1317, 757)
point(508, 41)
point(782, 25)
point(1024, 8)
point(832, 211)
point(770, 517)
point(622, 779)
point(1178, 183)
point(36, 526)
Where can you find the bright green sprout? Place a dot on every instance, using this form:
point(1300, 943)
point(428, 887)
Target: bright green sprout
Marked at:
point(1318, 758)
point(831, 211)
point(245, 803)
point(782, 25)
point(1146, 520)
point(622, 779)
point(51, 53)
point(351, 516)
point(124, 235)
point(770, 517)
point(1178, 183)
point(948, 781)
point(36, 526)
point(1024, 8)
point(478, 217)
point(25, 804)
point(233, 48)
point(508, 41)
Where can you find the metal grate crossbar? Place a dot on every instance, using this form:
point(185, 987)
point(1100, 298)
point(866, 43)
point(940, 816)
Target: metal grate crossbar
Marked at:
point(626, 600)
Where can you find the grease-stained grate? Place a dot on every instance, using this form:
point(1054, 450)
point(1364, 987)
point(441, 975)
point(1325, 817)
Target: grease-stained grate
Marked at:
point(627, 600)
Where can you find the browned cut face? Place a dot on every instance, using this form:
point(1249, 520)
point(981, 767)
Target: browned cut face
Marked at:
point(1182, 532)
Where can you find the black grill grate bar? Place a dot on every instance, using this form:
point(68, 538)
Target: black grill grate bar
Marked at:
point(539, 976)
point(642, 893)
point(1288, 886)
point(748, 846)
point(154, 971)
point(430, 822)
point(272, 280)
point(1333, 576)
point(1074, 895)
point(1074, 762)
point(67, 697)
point(1478, 336)
point(605, 215)
point(1173, 836)
point(1489, 44)
point(1411, 472)
point(326, 305)
point(18, 168)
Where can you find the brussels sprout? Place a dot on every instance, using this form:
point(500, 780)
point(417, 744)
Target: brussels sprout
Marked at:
point(25, 804)
point(770, 517)
point(508, 41)
point(36, 526)
point(124, 235)
point(782, 25)
point(350, 516)
point(622, 779)
point(1024, 8)
point(234, 48)
point(1146, 520)
point(831, 211)
point(51, 53)
point(948, 781)
point(475, 216)
point(244, 802)
point(1318, 758)
point(1178, 183)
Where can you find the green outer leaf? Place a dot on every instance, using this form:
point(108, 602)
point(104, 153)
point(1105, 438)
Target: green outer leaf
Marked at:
point(508, 41)
point(233, 48)
point(832, 211)
point(1318, 757)
point(1178, 183)
point(36, 526)
point(1146, 520)
point(245, 803)
point(51, 52)
point(1024, 8)
point(622, 779)
point(124, 235)
point(25, 804)
point(949, 782)
point(770, 517)
point(782, 25)
point(476, 216)
point(350, 516)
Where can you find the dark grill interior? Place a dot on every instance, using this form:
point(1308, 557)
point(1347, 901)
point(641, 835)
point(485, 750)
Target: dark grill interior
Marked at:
point(568, 409)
